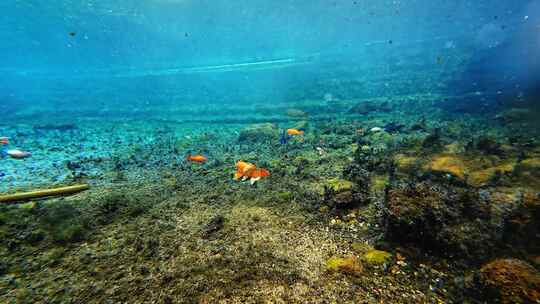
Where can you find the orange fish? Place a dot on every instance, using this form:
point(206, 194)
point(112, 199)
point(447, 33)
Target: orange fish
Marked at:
point(294, 132)
point(197, 158)
point(245, 170)
point(4, 140)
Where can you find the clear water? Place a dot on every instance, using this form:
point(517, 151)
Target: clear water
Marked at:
point(115, 93)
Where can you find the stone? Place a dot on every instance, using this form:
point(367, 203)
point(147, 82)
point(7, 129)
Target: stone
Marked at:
point(508, 281)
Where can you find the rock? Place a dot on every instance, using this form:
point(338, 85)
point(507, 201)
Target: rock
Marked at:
point(259, 133)
point(349, 265)
point(341, 193)
point(215, 224)
point(377, 257)
point(446, 220)
point(508, 281)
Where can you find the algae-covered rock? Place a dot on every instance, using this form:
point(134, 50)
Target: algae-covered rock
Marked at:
point(341, 193)
point(379, 183)
point(377, 257)
point(348, 265)
point(339, 185)
point(448, 220)
point(259, 133)
point(485, 176)
point(449, 164)
point(508, 281)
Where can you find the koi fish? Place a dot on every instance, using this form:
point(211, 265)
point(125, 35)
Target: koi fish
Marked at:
point(197, 158)
point(294, 132)
point(245, 170)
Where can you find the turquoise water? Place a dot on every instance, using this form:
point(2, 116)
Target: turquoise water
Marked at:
point(401, 139)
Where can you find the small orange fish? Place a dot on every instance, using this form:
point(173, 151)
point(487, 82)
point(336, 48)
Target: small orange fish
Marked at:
point(245, 170)
point(197, 158)
point(4, 140)
point(294, 132)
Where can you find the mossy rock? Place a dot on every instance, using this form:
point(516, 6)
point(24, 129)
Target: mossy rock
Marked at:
point(376, 257)
point(338, 185)
point(348, 265)
point(259, 133)
point(483, 177)
point(449, 164)
point(509, 281)
point(379, 183)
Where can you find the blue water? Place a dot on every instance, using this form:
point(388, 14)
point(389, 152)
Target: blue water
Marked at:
point(429, 103)
point(162, 52)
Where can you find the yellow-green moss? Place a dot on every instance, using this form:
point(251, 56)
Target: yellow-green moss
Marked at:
point(376, 257)
point(349, 265)
point(449, 164)
point(339, 185)
point(481, 177)
point(379, 182)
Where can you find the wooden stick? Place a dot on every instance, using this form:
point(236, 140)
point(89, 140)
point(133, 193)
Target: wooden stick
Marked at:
point(24, 196)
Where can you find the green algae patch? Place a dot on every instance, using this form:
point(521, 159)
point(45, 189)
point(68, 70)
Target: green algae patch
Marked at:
point(449, 164)
point(377, 257)
point(339, 185)
point(379, 182)
point(348, 265)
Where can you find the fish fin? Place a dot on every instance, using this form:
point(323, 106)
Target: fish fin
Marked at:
point(237, 175)
point(253, 180)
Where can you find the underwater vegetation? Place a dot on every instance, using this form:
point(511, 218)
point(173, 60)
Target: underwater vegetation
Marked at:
point(270, 152)
point(418, 211)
